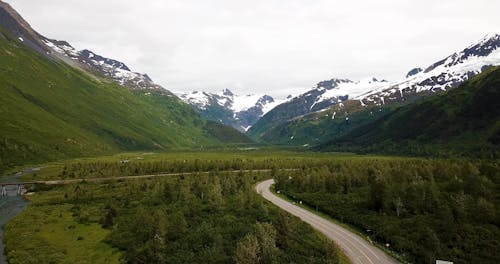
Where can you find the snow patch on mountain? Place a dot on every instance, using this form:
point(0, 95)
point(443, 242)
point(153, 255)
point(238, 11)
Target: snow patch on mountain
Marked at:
point(242, 103)
point(196, 98)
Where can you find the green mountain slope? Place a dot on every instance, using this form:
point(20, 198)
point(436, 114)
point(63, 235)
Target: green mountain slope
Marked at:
point(49, 110)
point(226, 133)
point(317, 128)
point(464, 121)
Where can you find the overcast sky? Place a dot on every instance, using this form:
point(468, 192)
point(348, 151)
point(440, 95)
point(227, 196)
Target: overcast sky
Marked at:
point(276, 47)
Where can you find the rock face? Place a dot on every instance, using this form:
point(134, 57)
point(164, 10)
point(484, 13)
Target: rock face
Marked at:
point(238, 111)
point(414, 72)
point(84, 59)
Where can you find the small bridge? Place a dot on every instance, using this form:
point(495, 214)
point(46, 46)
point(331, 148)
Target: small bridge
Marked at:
point(7, 188)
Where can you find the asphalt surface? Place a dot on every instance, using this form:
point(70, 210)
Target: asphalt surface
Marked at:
point(357, 249)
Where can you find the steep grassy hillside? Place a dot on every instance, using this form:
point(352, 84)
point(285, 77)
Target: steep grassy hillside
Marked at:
point(279, 115)
point(317, 128)
point(49, 110)
point(226, 133)
point(463, 121)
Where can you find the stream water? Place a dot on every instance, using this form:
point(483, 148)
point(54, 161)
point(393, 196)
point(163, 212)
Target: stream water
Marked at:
point(11, 205)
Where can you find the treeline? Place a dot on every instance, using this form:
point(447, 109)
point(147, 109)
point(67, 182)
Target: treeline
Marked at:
point(413, 148)
point(205, 218)
point(424, 209)
point(91, 169)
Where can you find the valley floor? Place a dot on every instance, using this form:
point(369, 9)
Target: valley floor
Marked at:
point(202, 206)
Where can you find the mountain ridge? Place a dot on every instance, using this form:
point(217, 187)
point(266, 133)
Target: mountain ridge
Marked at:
point(238, 111)
point(443, 75)
point(83, 59)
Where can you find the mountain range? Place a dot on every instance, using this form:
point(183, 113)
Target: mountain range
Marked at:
point(238, 111)
point(314, 116)
point(256, 114)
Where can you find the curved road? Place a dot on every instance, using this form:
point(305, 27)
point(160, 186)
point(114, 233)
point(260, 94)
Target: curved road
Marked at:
point(357, 249)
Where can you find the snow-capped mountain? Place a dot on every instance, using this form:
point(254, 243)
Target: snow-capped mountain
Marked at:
point(323, 96)
point(239, 111)
point(111, 68)
point(62, 50)
point(336, 91)
point(440, 76)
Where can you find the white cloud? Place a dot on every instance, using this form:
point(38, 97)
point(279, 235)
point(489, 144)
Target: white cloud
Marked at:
point(265, 46)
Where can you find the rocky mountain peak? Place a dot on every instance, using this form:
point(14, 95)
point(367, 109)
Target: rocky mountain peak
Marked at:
point(483, 48)
point(113, 63)
point(227, 92)
point(265, 99)
point(333, 83)
point(414, 71)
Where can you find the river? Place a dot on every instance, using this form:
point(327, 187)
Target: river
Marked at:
point(11, 205)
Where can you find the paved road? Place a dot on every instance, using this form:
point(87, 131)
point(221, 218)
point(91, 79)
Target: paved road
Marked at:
point(356, 248)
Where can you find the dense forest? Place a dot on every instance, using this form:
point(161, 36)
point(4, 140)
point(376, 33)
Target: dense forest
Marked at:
point(182, 162)
point(423, 209)
point(200, 218)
